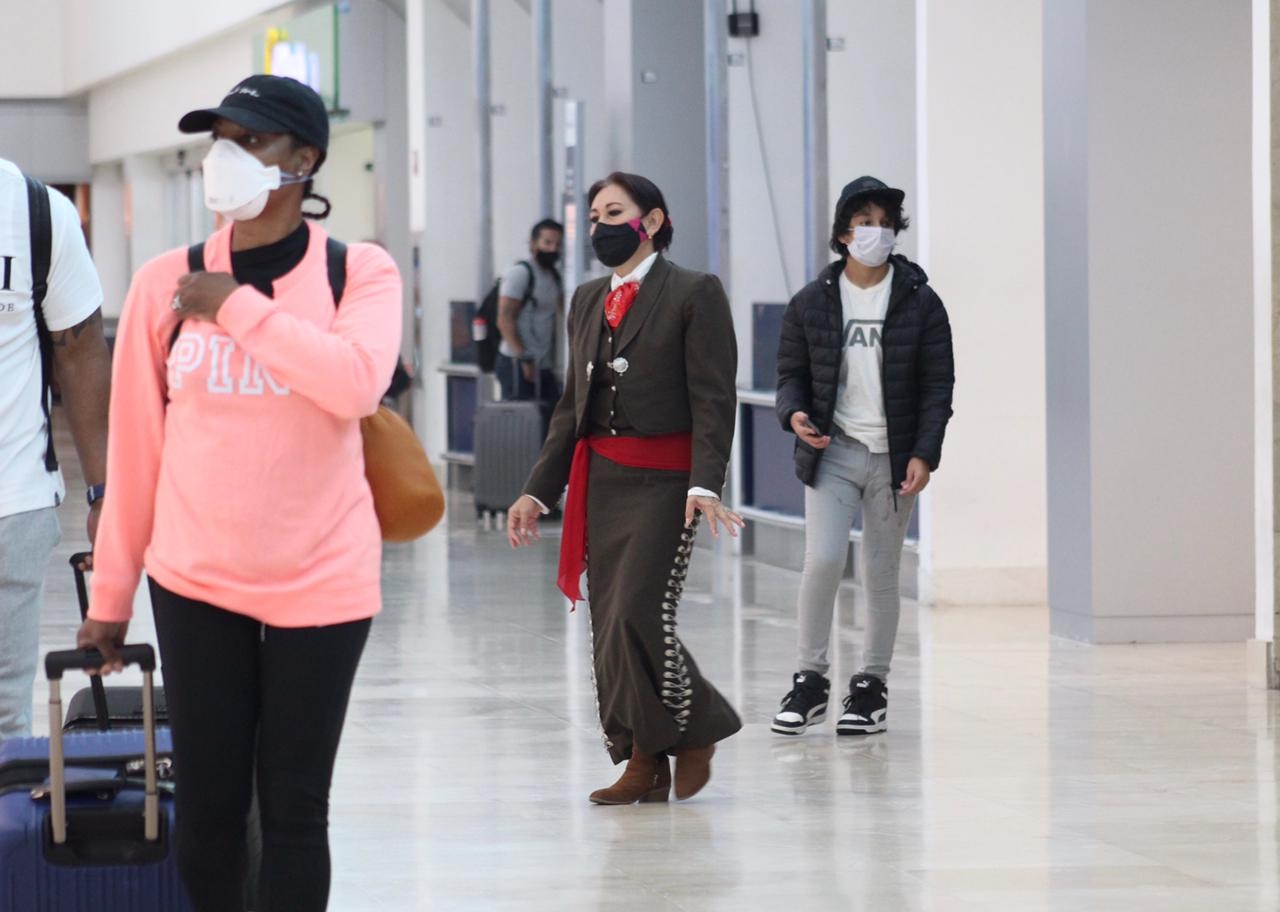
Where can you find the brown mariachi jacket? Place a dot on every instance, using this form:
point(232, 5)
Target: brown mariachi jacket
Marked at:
point(681, 373)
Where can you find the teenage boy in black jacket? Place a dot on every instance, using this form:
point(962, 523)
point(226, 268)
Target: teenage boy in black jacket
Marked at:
point(865, 375)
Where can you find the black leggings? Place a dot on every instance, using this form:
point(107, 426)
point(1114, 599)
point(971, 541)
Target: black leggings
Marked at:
point(245, 698)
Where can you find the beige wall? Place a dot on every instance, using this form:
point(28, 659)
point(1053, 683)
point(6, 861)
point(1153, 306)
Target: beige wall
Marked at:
point(138, 112)
point(871, 99)
point(351, 185)
point(33, 64)
point(105, 40)
point(64, 47)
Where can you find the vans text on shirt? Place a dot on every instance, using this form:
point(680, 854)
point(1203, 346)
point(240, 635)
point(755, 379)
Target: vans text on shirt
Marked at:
point(860, 401)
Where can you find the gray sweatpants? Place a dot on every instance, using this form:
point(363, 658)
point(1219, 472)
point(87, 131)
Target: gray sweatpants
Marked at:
point(848, 476)
point(26, 542)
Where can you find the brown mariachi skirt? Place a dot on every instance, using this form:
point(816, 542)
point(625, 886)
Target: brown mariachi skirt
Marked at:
point(649, 691)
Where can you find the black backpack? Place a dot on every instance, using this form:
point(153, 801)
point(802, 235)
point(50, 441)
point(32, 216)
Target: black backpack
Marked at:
point(41, 235)
point(487, 348)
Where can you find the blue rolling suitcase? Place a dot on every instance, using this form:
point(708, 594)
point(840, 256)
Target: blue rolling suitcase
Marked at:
point(84, 821)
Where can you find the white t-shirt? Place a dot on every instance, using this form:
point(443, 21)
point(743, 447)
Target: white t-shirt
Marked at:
point(74, 294)
point(860, 402)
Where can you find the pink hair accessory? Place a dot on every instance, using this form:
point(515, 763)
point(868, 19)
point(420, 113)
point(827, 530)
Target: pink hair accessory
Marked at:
point(638, 226)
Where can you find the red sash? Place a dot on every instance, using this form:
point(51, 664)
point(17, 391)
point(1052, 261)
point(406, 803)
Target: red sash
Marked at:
point(672, 452)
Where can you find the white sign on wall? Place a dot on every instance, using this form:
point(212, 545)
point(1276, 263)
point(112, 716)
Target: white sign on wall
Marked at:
point(293, 59)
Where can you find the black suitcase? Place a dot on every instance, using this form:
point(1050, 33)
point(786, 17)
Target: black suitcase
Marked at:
point(100, 707)
point(508, 441)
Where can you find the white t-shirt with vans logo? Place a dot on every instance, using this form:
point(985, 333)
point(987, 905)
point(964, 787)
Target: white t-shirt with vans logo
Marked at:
point(860, 401)
point(74, 294)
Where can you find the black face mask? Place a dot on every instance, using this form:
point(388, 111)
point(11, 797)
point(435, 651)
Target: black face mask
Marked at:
point(547, 259)
point(615, 244)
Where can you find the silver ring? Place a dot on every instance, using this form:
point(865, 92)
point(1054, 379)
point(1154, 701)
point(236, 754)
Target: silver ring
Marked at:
point(176, 304)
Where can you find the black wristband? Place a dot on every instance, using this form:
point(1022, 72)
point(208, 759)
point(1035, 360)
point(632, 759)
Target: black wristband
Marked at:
point(95, 493)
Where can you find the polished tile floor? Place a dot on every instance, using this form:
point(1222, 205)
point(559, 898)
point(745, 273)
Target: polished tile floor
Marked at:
point(1020, 773)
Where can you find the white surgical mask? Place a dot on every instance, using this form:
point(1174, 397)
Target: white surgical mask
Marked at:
point(871, 246)
point(236, 184)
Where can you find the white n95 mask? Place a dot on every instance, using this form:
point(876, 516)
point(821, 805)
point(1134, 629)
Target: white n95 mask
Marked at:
point(871, 246)
point(236, 184)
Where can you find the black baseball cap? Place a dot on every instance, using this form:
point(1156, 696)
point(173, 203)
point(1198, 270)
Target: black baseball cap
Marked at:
point(269, 104)
point(869, 186)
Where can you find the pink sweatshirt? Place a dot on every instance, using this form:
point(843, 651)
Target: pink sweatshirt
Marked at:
point(247, 489)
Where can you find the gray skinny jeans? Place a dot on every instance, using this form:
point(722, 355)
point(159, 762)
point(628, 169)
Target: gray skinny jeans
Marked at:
point(850, 476)
point(26, 542)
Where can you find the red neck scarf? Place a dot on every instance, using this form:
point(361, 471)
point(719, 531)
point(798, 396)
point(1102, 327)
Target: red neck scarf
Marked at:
point(619, 302)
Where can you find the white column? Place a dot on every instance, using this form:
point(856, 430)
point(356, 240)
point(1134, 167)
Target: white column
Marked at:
point(482, 98)
point(979, 220)
point(1262, 664)
point(107, 236)
point(817, 224)
point(443, 204)
point(657, 110)
point(1151, 321)
point(543, 145)
point(149, 219)
point(516, 143)
point(766, 189)
point(578, 71)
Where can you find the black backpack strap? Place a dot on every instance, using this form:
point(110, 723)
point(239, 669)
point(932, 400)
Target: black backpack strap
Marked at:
point(195, 263)
point(41, 235)
point(336, 252)
point(528, 290)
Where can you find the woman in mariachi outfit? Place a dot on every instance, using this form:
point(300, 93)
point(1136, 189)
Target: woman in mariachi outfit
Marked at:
point(647, 416)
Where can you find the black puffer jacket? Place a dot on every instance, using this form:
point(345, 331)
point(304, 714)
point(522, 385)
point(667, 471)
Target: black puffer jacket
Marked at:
point(918, 370)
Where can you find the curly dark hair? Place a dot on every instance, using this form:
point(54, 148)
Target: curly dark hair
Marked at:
point(886, 201)
point(308, 189)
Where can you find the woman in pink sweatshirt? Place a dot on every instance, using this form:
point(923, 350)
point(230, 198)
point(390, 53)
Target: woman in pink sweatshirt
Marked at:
point(237, 481)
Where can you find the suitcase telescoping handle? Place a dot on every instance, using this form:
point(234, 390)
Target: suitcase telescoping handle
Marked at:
point(515, 385)
point(55, 665)
point(96, 687)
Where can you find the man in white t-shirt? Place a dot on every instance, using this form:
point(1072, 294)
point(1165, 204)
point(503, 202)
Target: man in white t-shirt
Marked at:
point(31, 486)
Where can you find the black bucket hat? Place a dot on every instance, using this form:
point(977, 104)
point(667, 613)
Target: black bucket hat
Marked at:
point(869, 186)
point(269, 104)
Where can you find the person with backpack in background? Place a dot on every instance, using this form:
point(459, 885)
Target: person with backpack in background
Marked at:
point(50, 319)
point(245, 365)
point(530, 303)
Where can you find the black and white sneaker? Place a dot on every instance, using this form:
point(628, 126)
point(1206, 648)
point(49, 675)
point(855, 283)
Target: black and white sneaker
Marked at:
point(806, 704)
point(866, 706)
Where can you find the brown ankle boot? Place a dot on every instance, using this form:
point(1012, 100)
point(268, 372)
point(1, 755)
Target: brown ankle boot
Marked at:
point(693, 770)
point(646, 778)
